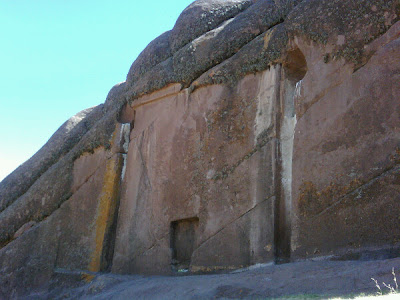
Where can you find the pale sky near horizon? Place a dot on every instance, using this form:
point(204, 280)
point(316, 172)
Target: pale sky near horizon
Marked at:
point(58, 57)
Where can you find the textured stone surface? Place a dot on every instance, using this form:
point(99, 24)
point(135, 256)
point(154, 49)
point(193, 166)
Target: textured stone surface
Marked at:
point(301, 280)
point(203, 16)
point(346, 153)
point(210, 48)
point(266, 49)
point(197, 19)
point(212, 161)
point(62, 141)
point(29, 261)
point(54, 186)
point(76, 236)
point(346, 25)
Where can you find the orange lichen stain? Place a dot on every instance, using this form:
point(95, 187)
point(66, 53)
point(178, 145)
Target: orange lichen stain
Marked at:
point(196, 269)
point(308, 198)
point(396, 156)
point(87, 277)
point(267, 37)
point(312, 202)
point(106, 207)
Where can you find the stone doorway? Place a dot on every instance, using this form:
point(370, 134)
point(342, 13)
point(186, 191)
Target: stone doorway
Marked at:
point(183, 240)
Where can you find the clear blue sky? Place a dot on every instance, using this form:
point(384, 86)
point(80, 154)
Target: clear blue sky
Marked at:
point(58, 57)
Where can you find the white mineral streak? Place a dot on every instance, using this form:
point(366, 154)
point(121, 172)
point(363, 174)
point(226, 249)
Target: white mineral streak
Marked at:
point(265, 102)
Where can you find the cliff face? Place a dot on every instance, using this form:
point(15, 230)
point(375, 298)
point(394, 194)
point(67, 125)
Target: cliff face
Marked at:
point(253, 131)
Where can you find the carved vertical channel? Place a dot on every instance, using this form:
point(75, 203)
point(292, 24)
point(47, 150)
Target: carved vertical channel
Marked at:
point(291, 75)
point(108, 203)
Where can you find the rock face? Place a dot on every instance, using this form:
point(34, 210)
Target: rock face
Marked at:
point(253, 131)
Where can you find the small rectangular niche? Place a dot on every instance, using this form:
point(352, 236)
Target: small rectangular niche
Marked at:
point(183, 239)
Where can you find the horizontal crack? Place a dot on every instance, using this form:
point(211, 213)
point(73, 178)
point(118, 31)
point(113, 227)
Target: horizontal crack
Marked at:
point(227, 58)
point(38, 222)
point(233, 221)
point(152, 246)
point(262, 140)
point(371, 181)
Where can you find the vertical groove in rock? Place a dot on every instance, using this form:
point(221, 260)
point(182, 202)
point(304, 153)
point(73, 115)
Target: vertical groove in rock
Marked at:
point(289, 83)
point(107, 210)
point(279, 233)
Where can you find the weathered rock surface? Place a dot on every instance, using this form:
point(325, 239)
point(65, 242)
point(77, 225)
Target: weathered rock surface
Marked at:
point(300, 280)
point(178, 168)
point(74, 233)
point(358, 140)
point(196, 20)
point(53, 187)
point(259, 131)
point(18, 182)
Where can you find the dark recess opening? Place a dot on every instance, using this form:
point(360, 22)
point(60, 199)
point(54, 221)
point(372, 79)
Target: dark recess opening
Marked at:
point(183, 239)
point(295, 65)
